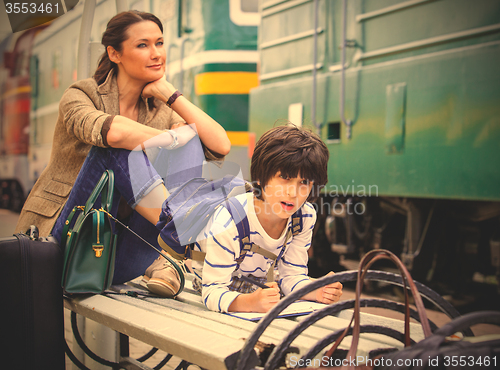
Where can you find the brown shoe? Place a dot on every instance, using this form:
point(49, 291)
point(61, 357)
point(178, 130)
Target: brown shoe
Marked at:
point(161, 278)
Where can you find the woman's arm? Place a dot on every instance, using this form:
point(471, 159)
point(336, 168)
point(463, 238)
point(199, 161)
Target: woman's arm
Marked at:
point(84, 117)
point(128, 134)
point(211, 133)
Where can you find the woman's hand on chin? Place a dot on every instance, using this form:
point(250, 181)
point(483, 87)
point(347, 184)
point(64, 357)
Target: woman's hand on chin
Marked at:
point(160, 89)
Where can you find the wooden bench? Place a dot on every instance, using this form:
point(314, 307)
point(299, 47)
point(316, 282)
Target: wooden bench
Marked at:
point(185, 328)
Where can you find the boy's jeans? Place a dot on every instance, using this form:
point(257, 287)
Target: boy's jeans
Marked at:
point(135, 177)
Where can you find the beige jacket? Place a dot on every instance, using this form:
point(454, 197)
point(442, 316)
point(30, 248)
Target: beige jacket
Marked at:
point(83, 109)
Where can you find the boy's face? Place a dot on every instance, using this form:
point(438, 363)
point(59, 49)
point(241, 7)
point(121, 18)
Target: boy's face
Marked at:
point(286, 195)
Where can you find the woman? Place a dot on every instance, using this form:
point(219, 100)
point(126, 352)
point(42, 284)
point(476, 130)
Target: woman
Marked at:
point(126, 106)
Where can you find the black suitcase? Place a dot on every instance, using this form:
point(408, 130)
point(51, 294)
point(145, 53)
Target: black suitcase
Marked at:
point(31, 308)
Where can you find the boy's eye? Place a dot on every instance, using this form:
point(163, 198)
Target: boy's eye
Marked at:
point(284, 177)
point(305, 182)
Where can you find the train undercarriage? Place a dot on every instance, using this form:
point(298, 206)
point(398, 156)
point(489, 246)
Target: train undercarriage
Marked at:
point(450, 245)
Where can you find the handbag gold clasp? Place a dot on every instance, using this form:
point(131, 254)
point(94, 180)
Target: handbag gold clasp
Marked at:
point(98, 250)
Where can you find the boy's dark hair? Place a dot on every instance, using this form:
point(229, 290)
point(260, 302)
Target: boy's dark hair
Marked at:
point(290, 150)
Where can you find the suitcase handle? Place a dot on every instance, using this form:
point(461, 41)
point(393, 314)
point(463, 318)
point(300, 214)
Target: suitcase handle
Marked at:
point(33, 232)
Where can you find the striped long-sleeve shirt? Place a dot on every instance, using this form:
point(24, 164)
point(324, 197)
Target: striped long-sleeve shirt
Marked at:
point(220, 241)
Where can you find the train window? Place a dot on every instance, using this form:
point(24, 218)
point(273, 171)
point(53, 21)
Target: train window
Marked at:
point(250, 6)
point(184, 22)
point(296, 113)
point(244, 12)
point(333, 132)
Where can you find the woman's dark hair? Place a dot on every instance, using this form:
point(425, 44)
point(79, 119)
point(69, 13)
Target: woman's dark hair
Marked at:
point(290, 150)
point(115, 34)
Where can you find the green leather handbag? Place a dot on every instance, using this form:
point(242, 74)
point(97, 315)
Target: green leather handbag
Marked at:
point(90, 244)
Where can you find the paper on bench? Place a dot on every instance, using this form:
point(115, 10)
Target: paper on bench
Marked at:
point(295, 309)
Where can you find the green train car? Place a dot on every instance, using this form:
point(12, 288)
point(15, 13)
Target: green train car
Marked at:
point(212, 58)
point(406, 94)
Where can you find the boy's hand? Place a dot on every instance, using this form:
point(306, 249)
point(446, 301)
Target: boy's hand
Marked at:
point(262, 300)
point(265, 299)
point(330, 293)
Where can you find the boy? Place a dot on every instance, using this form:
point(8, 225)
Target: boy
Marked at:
point(289, 165)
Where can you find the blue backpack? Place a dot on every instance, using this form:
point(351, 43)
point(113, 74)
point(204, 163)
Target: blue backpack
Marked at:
point(188, 209)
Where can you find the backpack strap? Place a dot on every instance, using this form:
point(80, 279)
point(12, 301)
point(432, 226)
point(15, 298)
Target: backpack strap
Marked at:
point(297, 222)
point(235, 209)
point(240, 218)
point(294, 230)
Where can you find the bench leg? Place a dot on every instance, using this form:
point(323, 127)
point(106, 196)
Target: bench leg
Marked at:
point(110, 348)
point(101, 340)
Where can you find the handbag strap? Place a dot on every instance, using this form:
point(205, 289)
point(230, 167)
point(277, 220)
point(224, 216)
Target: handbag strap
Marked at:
point(357, 299)
point(105, 188)
point(172, 262)
point(64, 235)
point(365, 263)
point(368, 260)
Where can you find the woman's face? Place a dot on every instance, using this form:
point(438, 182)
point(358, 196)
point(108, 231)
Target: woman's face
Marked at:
point(143, 55)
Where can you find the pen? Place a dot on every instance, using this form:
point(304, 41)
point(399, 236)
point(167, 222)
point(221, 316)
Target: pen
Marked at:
point(249, 280)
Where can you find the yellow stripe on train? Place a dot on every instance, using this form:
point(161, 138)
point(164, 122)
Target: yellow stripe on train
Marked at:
point(238, 138)
point(225, 82)
point(242, 138)
point(16, 91)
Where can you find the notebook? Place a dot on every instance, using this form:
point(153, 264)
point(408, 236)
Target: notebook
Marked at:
point(295, 309)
